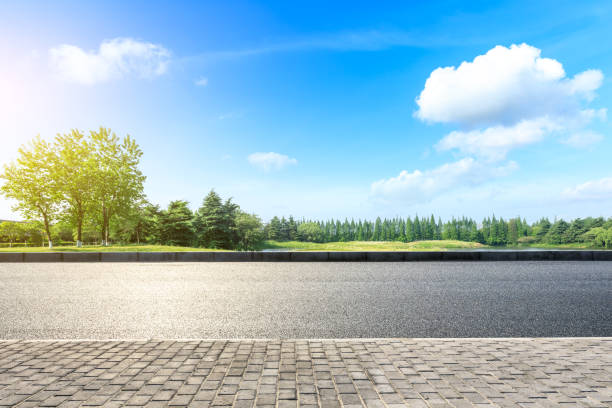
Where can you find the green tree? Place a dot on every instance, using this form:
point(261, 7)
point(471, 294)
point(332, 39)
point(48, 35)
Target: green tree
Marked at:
point(75, 171)
point(310, 232)
point(249, 230)
point(208, 222)
point(557, 233)
point(10, 231)
point(215, 223)
point(274, 229)
point(118, 182)
point(31, 181)
point(175, 224)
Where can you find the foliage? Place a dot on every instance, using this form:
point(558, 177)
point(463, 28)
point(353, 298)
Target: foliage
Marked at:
point(175, 224)
point(31, 181)
point(249, 230)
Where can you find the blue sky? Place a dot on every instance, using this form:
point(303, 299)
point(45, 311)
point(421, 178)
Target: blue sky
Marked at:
point(322, 110)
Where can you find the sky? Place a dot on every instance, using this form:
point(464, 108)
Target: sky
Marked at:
point(328, 109)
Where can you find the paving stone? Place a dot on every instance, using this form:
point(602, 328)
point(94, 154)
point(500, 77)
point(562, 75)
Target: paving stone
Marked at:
point(518, 372)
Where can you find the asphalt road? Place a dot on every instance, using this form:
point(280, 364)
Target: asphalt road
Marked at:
point(305, 300)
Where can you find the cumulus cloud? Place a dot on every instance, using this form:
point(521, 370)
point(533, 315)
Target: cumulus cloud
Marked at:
point(114, 59)
point(583, 139)
point(591, 190)
point(504, 86)
point(507, 98)
point(270, 160)
point(421, 186)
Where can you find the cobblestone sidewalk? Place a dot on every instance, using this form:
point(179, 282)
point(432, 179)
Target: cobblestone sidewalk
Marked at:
point(307, 373)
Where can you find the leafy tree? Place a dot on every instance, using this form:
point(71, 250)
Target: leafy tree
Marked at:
point(118, 181)
point(310, 232)
point(250, 231)
point(76, 170)
point(32, 182)
point(10, 231)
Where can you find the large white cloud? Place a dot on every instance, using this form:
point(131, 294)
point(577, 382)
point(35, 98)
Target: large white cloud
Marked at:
point(421, 186)
point(591, 190)
point(116, 58)
point(504, 86)
point(507, 98)
point(270, 160)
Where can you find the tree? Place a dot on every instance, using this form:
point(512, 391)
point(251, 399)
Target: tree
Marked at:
point(513, 232)
point(274, 229)
point(32, 182)
point(76, 171)
point(175, 224)
point(209, 221)
point(118, 181)
point(310, 232)
point(10, 231)
point(250, 231)
point(557, 233)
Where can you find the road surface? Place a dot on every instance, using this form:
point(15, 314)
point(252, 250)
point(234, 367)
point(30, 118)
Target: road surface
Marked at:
point(305, 300)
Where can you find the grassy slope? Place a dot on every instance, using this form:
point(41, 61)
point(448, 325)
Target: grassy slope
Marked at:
point(373, 246)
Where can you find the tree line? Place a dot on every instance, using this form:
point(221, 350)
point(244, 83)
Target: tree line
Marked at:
point(88, 187)
point(491, 231)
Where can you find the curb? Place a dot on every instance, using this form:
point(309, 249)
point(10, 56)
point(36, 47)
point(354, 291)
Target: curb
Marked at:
point(381, 256)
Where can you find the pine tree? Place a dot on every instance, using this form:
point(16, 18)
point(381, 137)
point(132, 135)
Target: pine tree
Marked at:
point(175, 224)
point(274, 229)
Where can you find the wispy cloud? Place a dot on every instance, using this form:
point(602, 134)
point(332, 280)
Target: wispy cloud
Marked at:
point(271, 160)
point(114, 59)
point(584, 139)
point(591, 190)
point(203, 81)
point(422, 186)
point(358, 40)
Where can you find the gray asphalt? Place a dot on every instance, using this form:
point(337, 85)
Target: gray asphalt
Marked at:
point(305, 300)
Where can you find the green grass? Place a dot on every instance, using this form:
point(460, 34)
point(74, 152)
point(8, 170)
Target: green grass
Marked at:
point(573, 245)
point(373, 246)
point(111, 248)
point(443, 245)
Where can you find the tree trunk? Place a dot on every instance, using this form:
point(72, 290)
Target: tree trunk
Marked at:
point(79, 242)
point(47, 230)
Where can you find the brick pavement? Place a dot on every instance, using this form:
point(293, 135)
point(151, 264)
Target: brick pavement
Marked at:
point(547, 372)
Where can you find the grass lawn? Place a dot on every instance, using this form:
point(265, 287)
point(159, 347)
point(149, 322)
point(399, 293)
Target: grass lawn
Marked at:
point(574, 245)
point(111, 248)
point(373, 246)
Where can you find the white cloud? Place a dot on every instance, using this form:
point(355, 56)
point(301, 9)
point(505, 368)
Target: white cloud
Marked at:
point(202, 81)
point(508, 98)
point(270, 161)
point(421, 186)
point(583, 139)
point(493, 143)
point(115, 59)
point(504, 86)
point(591, 190)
